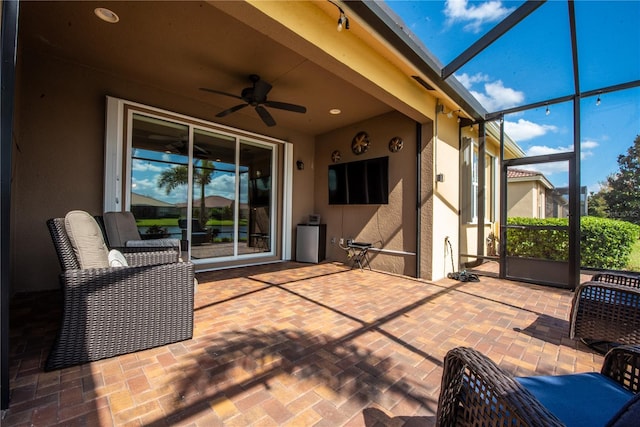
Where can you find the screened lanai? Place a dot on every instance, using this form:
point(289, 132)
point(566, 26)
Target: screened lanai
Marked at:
point(560, 78)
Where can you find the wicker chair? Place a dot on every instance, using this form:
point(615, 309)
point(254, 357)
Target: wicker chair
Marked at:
point(118, 310)
point(476, 392)
point(627, 279)
point(606, 311)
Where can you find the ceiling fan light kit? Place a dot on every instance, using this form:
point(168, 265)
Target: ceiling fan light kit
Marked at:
point(256, 96)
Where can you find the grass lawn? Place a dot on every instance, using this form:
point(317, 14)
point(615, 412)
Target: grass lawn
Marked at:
point(634, 263)
point(173, 222)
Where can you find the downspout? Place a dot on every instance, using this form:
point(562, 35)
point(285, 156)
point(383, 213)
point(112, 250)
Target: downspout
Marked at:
point(9, 40)
point(418, 197)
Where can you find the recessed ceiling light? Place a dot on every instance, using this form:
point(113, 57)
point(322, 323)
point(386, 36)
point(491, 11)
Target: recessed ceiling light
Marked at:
point(335, 111)
point(106, 15)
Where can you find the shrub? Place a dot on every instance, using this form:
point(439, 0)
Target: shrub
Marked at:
point(552, 244)
point(607, 243)
point(604, 243)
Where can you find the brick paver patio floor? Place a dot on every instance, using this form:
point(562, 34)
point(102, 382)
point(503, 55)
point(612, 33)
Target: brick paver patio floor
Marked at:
point(296, 345)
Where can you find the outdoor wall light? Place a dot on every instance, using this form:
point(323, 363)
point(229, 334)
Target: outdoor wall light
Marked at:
point(452, 112)
point(300, 165)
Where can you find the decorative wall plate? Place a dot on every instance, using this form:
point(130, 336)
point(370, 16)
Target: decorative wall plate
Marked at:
point(360, 143)
point(336, 156)
point(395, 144)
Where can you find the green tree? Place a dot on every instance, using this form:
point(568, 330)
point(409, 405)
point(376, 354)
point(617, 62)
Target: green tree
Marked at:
point(178, 175)
point(597, 206)
point(623, 194)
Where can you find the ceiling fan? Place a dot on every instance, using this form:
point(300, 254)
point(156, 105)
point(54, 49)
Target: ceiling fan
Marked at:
point(179, 145)
point(256, 96)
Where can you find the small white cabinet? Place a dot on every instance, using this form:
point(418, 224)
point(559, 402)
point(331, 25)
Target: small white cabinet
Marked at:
point(311, 243)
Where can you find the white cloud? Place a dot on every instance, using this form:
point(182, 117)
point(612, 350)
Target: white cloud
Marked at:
point(548, 169)
point(586, 148)
point(587, 145)
point(541, 150)
point(495, 96)
point(225, 185)
point(474, 16)
point(468, 81)
point(523, 130)
point(145, 166)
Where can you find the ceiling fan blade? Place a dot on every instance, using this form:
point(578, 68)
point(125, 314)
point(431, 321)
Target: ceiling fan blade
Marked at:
point(231, 110)
point(265, 116)
point(261, 89)
point(155, 137)
point(198, 149)
point(220, 92)
point(286, 106)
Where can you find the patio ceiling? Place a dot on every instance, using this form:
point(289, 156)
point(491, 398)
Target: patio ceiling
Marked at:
point(179, 47)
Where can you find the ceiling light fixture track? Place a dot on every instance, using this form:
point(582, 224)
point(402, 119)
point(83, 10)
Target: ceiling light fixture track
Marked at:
point(343, 21)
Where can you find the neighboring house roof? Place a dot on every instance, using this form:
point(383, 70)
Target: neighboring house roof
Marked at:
point(211, 202)
point(140, 200)
point(514, 175)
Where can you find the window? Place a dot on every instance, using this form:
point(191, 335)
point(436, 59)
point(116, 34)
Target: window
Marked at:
point(213, 187)
point(470, 191)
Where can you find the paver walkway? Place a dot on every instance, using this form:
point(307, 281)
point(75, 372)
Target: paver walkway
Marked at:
point(296, 345)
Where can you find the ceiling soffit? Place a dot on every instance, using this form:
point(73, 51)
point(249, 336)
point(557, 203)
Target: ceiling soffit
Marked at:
point(354, 54)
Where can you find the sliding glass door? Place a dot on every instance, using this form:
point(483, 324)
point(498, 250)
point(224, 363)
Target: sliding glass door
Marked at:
point(210, 188)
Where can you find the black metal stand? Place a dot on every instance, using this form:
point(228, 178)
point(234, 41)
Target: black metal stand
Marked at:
point(358, 253)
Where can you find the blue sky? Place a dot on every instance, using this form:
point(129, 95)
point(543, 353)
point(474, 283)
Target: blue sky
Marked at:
point(533, 63)
point(145, 172)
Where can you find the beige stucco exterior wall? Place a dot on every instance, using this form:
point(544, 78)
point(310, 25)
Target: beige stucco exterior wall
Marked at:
point(59, 160)
point(446, 203)
point(522, 200)
point(390, 227)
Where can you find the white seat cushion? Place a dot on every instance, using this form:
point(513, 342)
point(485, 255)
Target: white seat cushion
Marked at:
point(86, 239)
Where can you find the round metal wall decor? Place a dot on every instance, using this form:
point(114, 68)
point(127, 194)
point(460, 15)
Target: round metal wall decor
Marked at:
point(336, 156)
point(360, 143)
point(395, 144)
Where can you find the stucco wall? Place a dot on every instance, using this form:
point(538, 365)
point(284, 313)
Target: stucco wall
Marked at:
point(522, 199)
point(446, 196)
point(391, 226)
point(59, 160)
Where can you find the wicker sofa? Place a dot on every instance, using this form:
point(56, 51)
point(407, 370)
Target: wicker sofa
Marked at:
point(476, 392)
point(117, 310)
point(606, 310)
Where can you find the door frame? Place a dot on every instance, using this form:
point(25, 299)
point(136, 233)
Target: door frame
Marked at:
point(554, 270)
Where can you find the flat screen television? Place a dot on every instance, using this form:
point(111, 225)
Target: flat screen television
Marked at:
point(364, 182)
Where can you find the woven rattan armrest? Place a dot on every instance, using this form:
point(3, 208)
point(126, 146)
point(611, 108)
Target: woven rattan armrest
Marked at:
point(150, 256)
point(475, 391)
point(622, 364)
point(603, 311)
point(619, 278)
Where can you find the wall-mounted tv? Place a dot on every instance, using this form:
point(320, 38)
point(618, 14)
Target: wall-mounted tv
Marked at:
point(364, 182)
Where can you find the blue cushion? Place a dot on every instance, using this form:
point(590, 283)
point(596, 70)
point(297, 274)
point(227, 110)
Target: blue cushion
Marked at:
point(589, 399)
point(628, 416)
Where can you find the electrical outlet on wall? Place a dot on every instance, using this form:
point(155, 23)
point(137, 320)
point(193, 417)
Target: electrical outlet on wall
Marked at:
point(341, 241)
